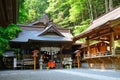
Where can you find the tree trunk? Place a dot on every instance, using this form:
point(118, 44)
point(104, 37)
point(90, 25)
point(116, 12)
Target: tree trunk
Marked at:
point(87, 10)
point(106, 6)
point(82, 16)
point(91, 10)
point(110, 5)
point(95, 10)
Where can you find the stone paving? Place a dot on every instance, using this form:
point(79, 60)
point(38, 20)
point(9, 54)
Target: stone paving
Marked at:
point(60, 74)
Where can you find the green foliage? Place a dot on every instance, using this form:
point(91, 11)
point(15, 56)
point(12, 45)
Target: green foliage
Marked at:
point(84, 25)
point(11, 31)
point(59, 11)
point(30, 10)
point(3, 41)
point(7, 34)
point(23, 17)
point(3, 45)
point(76, 10)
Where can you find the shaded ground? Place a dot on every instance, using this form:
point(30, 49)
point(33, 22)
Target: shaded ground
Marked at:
point(61, 74)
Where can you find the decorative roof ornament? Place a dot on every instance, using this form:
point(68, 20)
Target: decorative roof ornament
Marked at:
point(43, 20)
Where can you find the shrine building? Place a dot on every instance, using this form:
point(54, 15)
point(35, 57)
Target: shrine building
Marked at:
point(53, 42)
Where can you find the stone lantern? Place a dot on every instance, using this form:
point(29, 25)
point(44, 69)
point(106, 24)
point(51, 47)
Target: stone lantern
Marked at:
point(70, 62)
point(41, 63)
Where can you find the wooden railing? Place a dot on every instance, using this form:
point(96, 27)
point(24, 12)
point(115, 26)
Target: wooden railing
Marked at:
point(104, 61)
point(101, 54)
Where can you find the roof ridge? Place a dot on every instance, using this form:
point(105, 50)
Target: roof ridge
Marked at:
point(50, 26)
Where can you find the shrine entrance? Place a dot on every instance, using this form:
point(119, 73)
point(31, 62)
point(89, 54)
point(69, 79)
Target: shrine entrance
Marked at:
point(50, 53)
point(50, 56)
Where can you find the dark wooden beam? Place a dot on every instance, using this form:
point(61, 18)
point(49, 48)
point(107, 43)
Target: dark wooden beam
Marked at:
point(98, 34)
point(15, 10)
point(2, 13)
point(8, 12)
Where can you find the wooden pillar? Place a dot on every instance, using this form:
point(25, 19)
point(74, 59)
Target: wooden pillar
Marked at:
point(34, 62)
point(112, 44)
point(78, 61)
point(88, 47)
point(84, 53)
point(78, 54)
point(35, 55)
point(102, 64)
